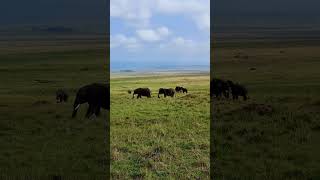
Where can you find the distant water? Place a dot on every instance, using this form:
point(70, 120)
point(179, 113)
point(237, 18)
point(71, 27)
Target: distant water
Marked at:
point(159, 68)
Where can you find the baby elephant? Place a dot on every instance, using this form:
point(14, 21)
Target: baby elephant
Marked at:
point(181, 89)
point(178, 89)
point(142, 92)
point(238, 90)
point(166, 92)
point(184, 90)
point(61, 96)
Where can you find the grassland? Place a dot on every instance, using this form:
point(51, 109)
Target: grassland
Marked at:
point(279, 139)
point(166, 138)
point(37, 135)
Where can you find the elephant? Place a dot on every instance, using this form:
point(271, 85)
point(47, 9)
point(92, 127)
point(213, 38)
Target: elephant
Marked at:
point(178, 89)
point(184, 90)
point(97, 95)
point(61, 96)
point(142, 92)
point(219, 87)
point(238, 90)
point(181, 89)
point(166, 92)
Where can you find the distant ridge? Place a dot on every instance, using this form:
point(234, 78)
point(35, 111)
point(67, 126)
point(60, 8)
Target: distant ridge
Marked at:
point(53, 29)
point(127, 70)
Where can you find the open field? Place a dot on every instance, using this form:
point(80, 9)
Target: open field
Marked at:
point(166, 138)
point(37, 135)
point(279, 139)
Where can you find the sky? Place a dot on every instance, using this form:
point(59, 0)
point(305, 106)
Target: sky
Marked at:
point(54, 12)
point(160, 32)
point(289, 7)
point(273, 12)
point(149, 33)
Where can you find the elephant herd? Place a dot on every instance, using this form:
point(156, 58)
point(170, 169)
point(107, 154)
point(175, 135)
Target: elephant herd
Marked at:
point(97, 95)
point(146, 92)
point(219, 88)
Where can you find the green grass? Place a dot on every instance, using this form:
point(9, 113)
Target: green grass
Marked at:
point(37, 135)
point(166, 138)
point(282, 144)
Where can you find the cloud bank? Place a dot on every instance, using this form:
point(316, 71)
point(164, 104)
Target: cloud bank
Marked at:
point(160, 28)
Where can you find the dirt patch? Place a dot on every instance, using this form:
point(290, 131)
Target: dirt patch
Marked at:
point(44, 81)
point(287, 99)
point(155, 153)
point(84, 69)
point(4, 70)
point(311, 107)
point(40, 102)
point(261, 109)
point(189, 96)
point(316, 103)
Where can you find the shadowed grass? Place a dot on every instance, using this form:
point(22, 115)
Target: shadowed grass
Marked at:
point(38, 137)
point(274, 134)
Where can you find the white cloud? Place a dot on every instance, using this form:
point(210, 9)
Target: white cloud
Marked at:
point(151, 38)
point(163, 31)
point(197, 10)
point(140, 12)
point(203, 21)
point(151, 35)
point(182, 6)
point(185, 47)
point(137, 12)
point(120, 40)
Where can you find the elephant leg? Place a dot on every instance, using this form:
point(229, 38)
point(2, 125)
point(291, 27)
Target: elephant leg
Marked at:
point(225, 94)
point(245, 98)
point(218, 96)
point(89, 111)
point(97, 111)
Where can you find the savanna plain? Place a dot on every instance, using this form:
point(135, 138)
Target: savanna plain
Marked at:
point(38, 136)
point(160, 138)
point(275, 133)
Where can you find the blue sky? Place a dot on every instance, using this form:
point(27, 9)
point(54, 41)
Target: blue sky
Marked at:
point(159, 32)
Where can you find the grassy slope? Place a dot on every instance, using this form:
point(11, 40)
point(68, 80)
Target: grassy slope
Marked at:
point(37, 136)
point(278, 145)
point(160, 138)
